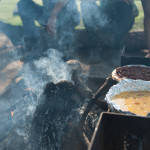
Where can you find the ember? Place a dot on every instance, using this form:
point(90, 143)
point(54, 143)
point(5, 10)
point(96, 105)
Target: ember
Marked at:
point(29, 89)
point(12, 113)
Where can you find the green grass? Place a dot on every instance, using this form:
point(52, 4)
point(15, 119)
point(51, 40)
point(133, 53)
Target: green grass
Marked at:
point(138, 25)
point(7, 7)
point(6, 12)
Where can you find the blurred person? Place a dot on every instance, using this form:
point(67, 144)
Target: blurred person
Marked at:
point(146, 8)
point(108, 23)
point(60, 17)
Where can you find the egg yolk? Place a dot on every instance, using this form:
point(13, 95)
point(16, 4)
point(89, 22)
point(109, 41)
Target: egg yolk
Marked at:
point(137, 102)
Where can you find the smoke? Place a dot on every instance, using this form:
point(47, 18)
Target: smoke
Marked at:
point(46, 69)
point(16, 114)
point(93, 15)
point(17, 108)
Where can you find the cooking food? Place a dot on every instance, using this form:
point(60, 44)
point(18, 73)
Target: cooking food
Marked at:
point(132, 72)
point(137, 102)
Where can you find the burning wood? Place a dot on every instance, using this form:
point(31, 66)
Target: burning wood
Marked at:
point(56, 119)
point(12, 113)
point(62, 119)
point(29, 89)
point(75, 67)
point(64, 116)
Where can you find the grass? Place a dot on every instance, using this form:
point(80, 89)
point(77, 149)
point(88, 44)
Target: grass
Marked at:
point(7, 7)
point(6, 12)
point(138, 25)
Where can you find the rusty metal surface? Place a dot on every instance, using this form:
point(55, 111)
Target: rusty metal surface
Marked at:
point(121, 132)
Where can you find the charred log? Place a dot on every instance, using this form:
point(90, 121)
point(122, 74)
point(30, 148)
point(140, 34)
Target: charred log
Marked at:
point(56, 119)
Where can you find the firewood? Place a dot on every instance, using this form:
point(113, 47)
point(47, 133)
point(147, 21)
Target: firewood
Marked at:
point(56, 119)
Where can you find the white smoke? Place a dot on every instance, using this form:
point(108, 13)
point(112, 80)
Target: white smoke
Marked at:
point(47, 69)
point(35, 75)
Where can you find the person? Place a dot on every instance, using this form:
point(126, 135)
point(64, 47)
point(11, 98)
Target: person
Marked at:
point(109, 22)
point(146, 9)
point(60, 17)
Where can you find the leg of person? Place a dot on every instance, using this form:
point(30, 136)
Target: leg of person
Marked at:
point(90, 13)
point(67, 20)
point(146, 8)
point(123, 19)
point(29, 11)
point(69, 17)
point(92, 20)
point(48, 5)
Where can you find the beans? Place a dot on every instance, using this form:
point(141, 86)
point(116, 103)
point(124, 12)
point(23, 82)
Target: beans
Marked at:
point(134, 72)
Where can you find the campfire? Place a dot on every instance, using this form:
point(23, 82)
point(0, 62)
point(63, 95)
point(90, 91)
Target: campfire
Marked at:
point(61, 118)
point(63, 114)
point(68, 99)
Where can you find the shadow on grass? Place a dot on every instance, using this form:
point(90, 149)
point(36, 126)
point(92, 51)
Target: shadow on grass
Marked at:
point(14, 33)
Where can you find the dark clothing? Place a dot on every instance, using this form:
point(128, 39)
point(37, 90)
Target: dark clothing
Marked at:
point(109, 22)
point(29, 11)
